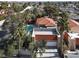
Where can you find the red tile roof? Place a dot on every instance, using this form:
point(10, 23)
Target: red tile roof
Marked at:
point(73, 25)
point(45, 21)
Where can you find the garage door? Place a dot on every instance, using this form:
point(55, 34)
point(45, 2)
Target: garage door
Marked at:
point(53, 43)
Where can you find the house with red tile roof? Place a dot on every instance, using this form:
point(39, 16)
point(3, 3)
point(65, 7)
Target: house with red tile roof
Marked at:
point(74, 27)
point(73, 35)
point(48, 33)
point(71, 39)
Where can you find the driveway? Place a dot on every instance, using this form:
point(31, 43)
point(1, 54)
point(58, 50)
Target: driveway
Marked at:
point(49, 53)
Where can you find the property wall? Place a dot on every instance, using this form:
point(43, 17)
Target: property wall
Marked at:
point(51, 40)
point(46, 37)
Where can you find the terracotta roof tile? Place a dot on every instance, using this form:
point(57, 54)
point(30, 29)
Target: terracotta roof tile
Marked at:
point(73, 25)
point(45, 21)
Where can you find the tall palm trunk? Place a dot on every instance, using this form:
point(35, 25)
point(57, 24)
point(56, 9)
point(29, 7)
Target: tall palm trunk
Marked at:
point(63, 25)
point(61, 46)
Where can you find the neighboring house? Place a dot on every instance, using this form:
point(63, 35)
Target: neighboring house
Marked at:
point(73, 39)
point(45, 21)
point(73, 25)
point(47, 34)
point(74, 28)
point(73, 33)
point(73, 51)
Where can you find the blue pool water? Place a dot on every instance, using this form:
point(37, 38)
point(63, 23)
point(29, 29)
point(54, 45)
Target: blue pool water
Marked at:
point(29, 28)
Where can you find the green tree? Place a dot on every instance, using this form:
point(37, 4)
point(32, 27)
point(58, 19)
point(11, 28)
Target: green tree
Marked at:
point(17, 7)
point(4, 5)
point(52, 11)
point(10, 50)
point(62, 26)
point(34, 47)
point(1, 53)
point(18, 33)
point(25, 5)
point(2, 17)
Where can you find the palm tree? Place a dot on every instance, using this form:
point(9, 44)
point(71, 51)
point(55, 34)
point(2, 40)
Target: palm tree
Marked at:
point(63, 26)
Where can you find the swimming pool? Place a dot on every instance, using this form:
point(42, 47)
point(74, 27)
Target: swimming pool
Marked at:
point(30, 27)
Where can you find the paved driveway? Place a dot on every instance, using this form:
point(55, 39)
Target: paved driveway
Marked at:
point(49, 53)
